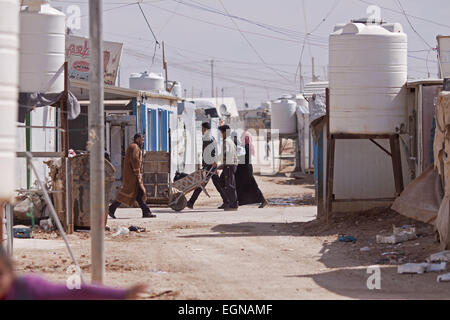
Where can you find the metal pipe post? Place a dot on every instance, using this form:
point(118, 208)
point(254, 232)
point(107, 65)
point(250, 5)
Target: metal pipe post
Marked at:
point(96, 140)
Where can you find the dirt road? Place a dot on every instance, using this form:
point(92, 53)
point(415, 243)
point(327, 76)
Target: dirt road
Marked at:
point(271, 253)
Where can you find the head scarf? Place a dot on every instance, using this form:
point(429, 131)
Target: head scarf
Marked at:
point(246, 138)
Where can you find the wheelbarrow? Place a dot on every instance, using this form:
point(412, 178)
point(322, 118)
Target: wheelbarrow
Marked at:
point(181, 187)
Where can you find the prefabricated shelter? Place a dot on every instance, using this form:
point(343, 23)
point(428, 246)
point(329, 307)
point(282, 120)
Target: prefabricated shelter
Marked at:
point(128, 111)
point(187, 135)
point(422, 100)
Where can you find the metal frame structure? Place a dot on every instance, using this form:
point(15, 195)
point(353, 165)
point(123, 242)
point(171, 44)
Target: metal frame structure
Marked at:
point(395, 154)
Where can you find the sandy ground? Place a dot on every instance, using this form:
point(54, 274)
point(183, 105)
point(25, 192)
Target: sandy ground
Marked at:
point(279, 252)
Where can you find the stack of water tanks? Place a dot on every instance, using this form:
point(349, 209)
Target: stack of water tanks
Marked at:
point(9, 81)
point(367, 77)
point(283, 116)
point(147, 81)
point(42, 47)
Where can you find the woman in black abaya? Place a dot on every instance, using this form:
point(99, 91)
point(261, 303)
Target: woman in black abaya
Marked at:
point(246, 187)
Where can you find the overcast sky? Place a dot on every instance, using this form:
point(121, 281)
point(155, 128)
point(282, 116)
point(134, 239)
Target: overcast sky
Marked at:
point(257, 53)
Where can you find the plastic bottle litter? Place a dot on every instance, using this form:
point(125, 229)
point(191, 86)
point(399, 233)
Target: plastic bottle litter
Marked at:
point(443, 277)
point(46, 225)
point(400, 234)
point(121, 231)
point(412, 268)
point(440, 256)
point(422, 267)
point(364, 249)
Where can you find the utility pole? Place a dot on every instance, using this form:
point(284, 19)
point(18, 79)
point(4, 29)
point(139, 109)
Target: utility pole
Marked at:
point(314, 78)
point(165, 67)
point(301, 77)
point(96, 140)
point(212, 78)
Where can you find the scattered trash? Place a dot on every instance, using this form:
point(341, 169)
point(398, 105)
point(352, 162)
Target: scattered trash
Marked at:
point(440, 256)
point(46, 225)
point(364, 249)
point(437, 267)
point(443, 277)
point(421, 267)
point(158, 271)
point(393, 253)
point(22, 232)
point(412, 268)
point(400, 234)
point(136, 229)
point(291, 201)
point(347, 238)
point(121, 231)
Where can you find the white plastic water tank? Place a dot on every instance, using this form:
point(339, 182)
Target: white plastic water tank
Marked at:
point(177, 89)
point(302, 104)
point(147, 81)
point(283, 116)
point(9, 80)
point(266, 105)
point(42, 47)
point(367, 77)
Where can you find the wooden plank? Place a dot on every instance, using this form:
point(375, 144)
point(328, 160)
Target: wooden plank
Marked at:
point(41, 154)
point(394, 142)
point(360, 136)
point(331, 146)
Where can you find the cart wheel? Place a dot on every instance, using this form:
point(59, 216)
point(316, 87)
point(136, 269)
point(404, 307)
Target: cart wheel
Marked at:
point(180, 204)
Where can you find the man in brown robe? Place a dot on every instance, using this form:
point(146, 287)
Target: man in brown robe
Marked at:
point(132, 186)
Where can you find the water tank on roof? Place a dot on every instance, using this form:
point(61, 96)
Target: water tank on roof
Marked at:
point(9, 81)
point(177, 89)
point(367, 77)
point(302, 104)
point(266, 105)
point(283, 116)
point(147, 81)
point(42, 47)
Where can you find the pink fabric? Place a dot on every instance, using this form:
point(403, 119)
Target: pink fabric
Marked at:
point(247, 138)
point(37, 288)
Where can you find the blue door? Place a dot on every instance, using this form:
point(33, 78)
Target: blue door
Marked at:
point(164, 130)
point(154, 129)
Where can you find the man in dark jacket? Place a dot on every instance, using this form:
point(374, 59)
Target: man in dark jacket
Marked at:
point(208, 157)
point(132, 185)
point(228, 161)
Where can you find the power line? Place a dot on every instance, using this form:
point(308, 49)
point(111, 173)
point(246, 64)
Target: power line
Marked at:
point(287, 32)
point(321, 45)
point(409, 15)
point(336, 3)
point(148, 24)
point(251, 46)
point(334, 6)
point(411, 25)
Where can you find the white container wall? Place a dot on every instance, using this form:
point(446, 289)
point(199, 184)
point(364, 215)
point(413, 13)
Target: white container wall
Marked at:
point(9, 58)
point(147, 81)
point(42, 47)
point(367, 77)
point(303, 131)
point(283, 116)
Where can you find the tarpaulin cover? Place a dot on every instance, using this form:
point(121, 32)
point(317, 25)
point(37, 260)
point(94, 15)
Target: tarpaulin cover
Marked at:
point(30, 100)
point(422, 198)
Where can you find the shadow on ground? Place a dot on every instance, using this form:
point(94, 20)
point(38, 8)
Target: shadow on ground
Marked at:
point(350, 277)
